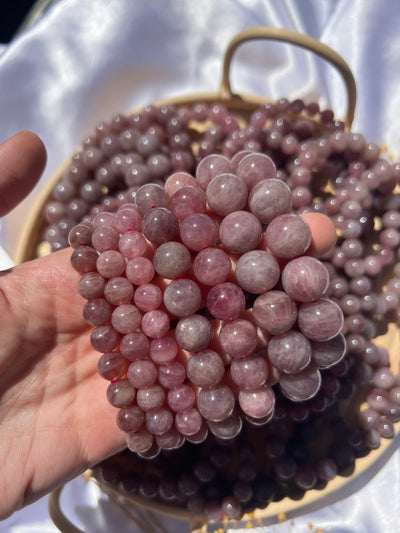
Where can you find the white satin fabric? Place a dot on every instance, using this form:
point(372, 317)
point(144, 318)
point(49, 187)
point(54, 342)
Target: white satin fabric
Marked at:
point(87, 60)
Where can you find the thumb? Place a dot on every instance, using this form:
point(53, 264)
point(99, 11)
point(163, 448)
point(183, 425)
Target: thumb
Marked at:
point(22, 160)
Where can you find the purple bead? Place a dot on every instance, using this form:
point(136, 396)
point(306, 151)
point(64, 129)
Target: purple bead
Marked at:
point(320, 320)
point(270, 198)
point(226, 193)
point(257, 403)
point(212, 266)
point(289, 352)
point(254, 168)
point(194, 333)
point(188, 422)
point(182, 297)
point(301, 386)
point(305, 279)
point(249, 373)
point(274, 312)
point(240, 232)
point(198, 231)
point(238, 338)
point(226, 301)
point(171, 259)
point(257, 271)
point(329, 353)
point(205, 368)
point(160, 225)
point(288, 236)
point(215, 403)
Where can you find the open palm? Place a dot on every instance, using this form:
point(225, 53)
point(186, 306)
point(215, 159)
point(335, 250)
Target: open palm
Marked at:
point(55, 420)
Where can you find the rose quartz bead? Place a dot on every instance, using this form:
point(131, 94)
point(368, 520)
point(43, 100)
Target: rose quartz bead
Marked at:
point(140, 270)
point(126, 318)
point(139, 441)
point(188, 422)
point(228, 428)
point(160, 225)
point(210, 167)
point(130, 418)
point(182, 297)
point(171, 375)
point(149, 196)
point(105, 238)
point(240, 232)
point(181, 398)
point(216, 403)
point(97, 311)
point(148, 297)
point(159, 420)
point(188, 201)
point(171, 259)
point(275, 312)
point(301, 386)
point(198, 231)
point(170, 440)
point(134, 345)
point(104, 338)
point(142, 373)
point(194, 333)
point(155, 324)
point(118, 291)
point(205, 368)
point(288, 236)
point(226, 193)
point(132, 244)
point(238, 338)
point(150, 397)
point(305, 279)
point(327, 354)
point(257, 403)
point(226, 301)
point(91, 285)
point(163, 350)
point(112, 365)
point(110, 264)
point(320, 320)
point(270, 198)
point(254, 168)
point(120, 393)
point(201, 435)
point(177, 180)
point(289, 352)
point(212, 266)
point(249, 373)
point(128, 219)
point(257, 271)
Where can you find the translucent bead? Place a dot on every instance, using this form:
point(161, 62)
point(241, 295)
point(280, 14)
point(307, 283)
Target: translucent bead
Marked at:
point(171, 374)
point(228, 428)
point(142, 373)
point(139, 270)
point(289, 352)
point(130, 418)
point(275, 312)
point(198, 231)
point(249, 373)
point(226, 301)
point(305, 279)
point(215, 403)
point(134, 345)
point(104, 338)
point(188, 201)
point(182, 297)
point(210, 167)
point(111, 366)
point(118, 291)
point(257, 271)
point(240, 232)
point(257, 403)
point(301, 386)
point(160, 225)
point(139, 441)
point(155, 324)
point(97, 311)
point(254, 168)
point(188, 422)
point(288, 236)
point(171, 259)
point(181, 398)
point(163, 350)
point(120, 393)
point(238, 338)
point(226, 193)
point(126, 318)
point(132, 244)
point(320, 320)
point(178, 180)
point(327, 354)
point(84, 259)
point(194, 333)
point(205, 368)
point(152, 397)
point(110, 264)
point(170, 440)
point(212, 266)
point(158, 420)
point(150, 196)
point(270, 198)
point(80, 235)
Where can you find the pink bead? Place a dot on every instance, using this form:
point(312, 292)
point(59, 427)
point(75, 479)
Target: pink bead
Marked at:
point(182, 297)
point(275, 312)
point(142, 373)
point(249, 373)
point(188, 201)
point(151, 397)
point(226, 193)
point(270, 198)
point(110, 264)
point(140, 270)
point(181, 398)
point(240, 232)
point(257, 271)
point(205, 368)
point(212, 266)
point(238, 338)
point(134, 345)
point(210, 167)
point(159, 420)
point(216, 403)
point(305, 279)
point(139, 441)
point(126, 318)
point(198, 231)
point(132, 244)
point(163, 350)
point(257, 403)
point(128, 219)
point(155, 324)
point(226, 301)
point(118, 291)
point(188, 422)
point(148, 297)
point(179, 180)
point(171, 374)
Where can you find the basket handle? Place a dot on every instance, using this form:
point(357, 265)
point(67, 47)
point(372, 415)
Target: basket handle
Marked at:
point(299, 39)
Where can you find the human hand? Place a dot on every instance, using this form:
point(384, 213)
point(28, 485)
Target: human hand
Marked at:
point(55, 420)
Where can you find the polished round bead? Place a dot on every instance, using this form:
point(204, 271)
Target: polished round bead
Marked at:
point(110, 264)
point(130, 418)
point(257, 403)
point(270, 198)
point(97, 311)
point(104, 338)
point(215, 403)
point(301, 386)
point(288, 236)
point(205, 368)
point(121, 393)
point(257, 271)
point(126, 318)
point(194, 333)
point(188, 422)
point(134, 345)
point(188, 201)
point(142, 373)
point(112, 366)
point(238, 338)
point(182, 297)
point(226, 193)
point(274, 312)
point(320, 320)
point(289, 352)
point(118, 291)
point(171, 374)
point(328, 353)
point(181, 398)
point(254, 168)
point(249, 373)
point(150, 196)
point(240, 232)
point(212, 266)
point(305, 279)
point(147, 297)
point(163, 350)
point(155, 324)
point(171, 259)
point(160, 225)
point(152, 397)
point(210, 167)
point(198, 231)
point(132, 244)
point(226, 301)
point(158, 420)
